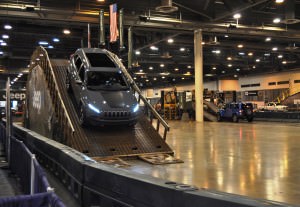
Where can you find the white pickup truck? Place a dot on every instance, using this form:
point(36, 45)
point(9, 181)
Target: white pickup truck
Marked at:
point(273, 106)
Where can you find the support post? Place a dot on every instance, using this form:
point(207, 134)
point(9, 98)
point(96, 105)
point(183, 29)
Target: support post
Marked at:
point(198, 74)
point(8, 121)
point(121, 24)
point(32, 175)
point(89, 36)
point(101, 29)
point(130, 47)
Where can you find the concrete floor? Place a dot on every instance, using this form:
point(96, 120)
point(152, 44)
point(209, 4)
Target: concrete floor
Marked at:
point(259, 159)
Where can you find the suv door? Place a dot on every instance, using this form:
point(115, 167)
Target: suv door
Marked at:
point(228, 111)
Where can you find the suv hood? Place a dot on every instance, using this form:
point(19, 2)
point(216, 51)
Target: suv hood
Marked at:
point(111, 99)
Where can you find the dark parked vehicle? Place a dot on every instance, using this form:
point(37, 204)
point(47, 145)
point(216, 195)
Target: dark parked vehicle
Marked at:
point(102, 92)
point(236, 111)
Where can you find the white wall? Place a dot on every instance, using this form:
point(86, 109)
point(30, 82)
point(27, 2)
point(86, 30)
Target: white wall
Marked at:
point(235, 85)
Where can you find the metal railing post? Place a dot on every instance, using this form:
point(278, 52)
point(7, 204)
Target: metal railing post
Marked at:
point(8, 120)
point(32, 174)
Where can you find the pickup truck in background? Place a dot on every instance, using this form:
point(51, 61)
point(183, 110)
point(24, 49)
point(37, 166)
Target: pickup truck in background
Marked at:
point(272, 106)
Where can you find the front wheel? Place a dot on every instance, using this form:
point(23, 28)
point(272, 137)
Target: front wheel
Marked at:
point(250, 119)
point(82, 116)
point(235, 118)
point(68, 84)
point(219, 118)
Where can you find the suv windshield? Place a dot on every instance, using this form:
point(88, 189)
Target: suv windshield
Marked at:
point(100, 60)
point(103, 80)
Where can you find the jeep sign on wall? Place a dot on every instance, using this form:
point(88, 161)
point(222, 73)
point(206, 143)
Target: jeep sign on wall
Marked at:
point(15, 95)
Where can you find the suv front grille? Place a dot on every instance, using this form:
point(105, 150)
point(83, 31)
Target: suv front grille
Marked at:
point(117, 114)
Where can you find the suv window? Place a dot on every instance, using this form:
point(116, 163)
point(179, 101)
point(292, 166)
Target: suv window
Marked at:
point(78, 62)
point(100, 80)
point(81, 73)
point(100, 60)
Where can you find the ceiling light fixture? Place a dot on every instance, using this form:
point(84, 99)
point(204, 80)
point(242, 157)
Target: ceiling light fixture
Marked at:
point(3, 44)
point(182, 49)
point(268, 39)
point(137, 52)
point(229, 65)
point(55, 40)
point(43, 43)
point(66, 31)
point(237, 16)
point(176, 69)
point(153, 48)
point(250, 54)
point(240, 46)
point(284, 62)
point(214, 68)
point(257, 60)
point(162, 65)
point(280, 56)
point(5, 36)
point(7, 26)
point(276, 20)
point(274, 48)
point(279, 1)
point(150, 68)
point(170, 40)
point(229, 58)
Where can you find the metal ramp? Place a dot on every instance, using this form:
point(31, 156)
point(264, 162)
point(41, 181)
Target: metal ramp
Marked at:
point(213, 109)
point(115, 141)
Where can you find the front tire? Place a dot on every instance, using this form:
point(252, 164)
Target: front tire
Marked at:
point(82, 116)
point(235, 118)
point(250, 119)
point(219, 118)
point(68, 84)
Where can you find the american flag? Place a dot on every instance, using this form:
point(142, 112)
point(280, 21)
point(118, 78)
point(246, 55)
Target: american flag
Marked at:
point(113, 23)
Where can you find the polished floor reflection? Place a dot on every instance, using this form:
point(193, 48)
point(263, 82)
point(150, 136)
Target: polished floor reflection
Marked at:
point(259, 159)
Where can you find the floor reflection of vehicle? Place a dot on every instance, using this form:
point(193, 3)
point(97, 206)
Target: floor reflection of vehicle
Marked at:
point(101, 90)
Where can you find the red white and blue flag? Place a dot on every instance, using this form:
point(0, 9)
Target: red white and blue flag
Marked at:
point(113, 23)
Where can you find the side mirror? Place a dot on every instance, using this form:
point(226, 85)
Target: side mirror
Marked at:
point(79, 82)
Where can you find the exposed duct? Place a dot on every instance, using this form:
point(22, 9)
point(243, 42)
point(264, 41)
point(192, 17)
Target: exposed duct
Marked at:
point(166, 7)
point(290, 13)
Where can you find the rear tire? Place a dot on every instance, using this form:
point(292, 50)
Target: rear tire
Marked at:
point(250, 119)
point(235, 118)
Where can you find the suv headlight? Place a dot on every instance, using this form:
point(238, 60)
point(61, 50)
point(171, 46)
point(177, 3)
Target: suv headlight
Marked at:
point(136, 108)
point(93, 108)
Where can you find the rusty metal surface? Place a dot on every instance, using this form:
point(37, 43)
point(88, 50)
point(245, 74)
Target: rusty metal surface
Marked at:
point(160, 159)
point(116, 140)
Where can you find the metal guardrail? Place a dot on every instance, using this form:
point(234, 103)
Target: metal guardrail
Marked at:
point(40, 57)
point(155, 114)
point(32, 177)
point(95, 184)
